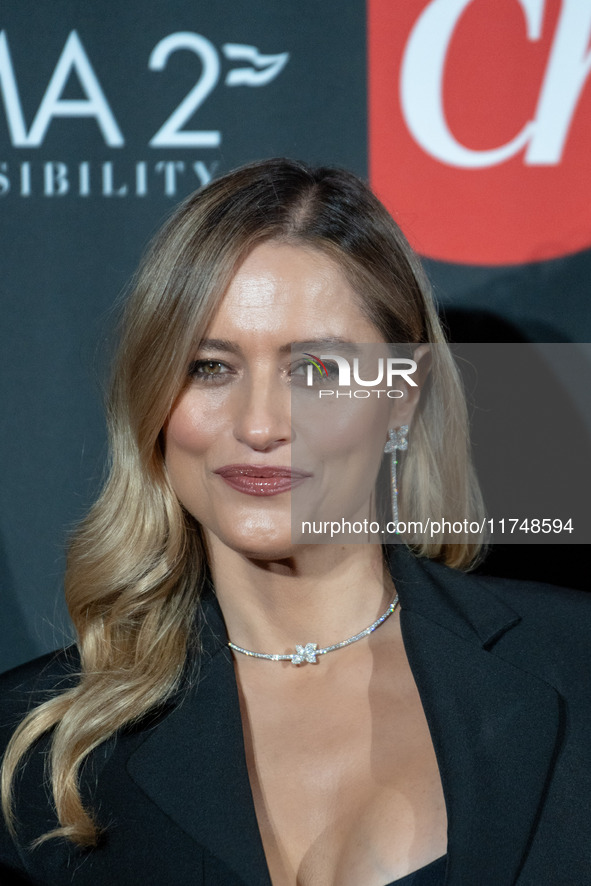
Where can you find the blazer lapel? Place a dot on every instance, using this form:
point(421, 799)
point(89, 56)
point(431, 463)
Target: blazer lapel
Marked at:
point(193, 765)
point(495, 727)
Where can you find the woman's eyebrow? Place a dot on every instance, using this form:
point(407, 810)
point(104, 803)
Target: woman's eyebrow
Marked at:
point(344, 345)
point(225, 345)
point(218, 344)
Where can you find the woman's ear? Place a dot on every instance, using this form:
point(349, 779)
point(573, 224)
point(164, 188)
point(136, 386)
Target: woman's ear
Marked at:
point(403, 408)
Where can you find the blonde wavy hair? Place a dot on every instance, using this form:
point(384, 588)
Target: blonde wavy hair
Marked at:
point(136, 565)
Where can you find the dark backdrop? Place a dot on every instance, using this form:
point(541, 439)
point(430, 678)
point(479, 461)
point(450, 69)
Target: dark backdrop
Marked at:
point(85, 88)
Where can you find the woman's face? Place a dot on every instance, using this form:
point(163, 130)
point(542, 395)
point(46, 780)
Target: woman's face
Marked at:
point(247, 436)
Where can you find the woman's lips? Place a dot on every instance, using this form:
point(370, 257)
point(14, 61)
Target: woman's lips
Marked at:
point(261, 480)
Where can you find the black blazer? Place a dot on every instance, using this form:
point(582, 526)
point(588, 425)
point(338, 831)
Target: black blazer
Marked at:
point(503, 669)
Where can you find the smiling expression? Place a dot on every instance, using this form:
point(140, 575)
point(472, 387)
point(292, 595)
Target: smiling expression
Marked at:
point(238, 446)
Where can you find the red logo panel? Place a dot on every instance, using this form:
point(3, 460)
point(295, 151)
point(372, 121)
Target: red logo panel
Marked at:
point(480, 125)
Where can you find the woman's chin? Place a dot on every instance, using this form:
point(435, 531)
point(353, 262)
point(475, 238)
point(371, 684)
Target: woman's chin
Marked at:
point(277, 546)
point(258, 539)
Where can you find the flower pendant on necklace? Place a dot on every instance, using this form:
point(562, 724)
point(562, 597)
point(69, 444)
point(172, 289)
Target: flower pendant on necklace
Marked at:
point(305, 654)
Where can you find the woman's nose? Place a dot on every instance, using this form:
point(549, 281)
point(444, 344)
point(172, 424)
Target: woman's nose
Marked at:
point(263, 415)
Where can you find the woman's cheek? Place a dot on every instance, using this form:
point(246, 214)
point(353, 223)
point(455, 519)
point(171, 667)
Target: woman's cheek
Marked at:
point(195, 422)
point(344, 427)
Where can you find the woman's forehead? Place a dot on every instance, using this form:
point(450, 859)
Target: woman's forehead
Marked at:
point(290, 290)
point(273, 269)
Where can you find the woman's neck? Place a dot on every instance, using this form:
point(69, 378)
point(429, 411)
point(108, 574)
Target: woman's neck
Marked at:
point(323, 595)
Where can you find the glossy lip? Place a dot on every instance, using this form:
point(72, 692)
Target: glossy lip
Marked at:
point(261, 479)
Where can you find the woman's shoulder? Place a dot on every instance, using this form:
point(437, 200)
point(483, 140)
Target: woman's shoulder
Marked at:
point(530, 599)
point(21, 689)
point(539, 601)
point(28, 685)
point(42, 672)
point(541, 627)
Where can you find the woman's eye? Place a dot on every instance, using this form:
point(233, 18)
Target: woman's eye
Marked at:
point(314, 372)
point(208, 370)
point(298, 370)
point(331, 369)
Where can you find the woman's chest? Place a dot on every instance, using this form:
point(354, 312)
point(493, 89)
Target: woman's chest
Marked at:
point(346, 785)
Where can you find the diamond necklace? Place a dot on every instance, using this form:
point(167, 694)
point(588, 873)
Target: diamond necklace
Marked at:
point(309, 651)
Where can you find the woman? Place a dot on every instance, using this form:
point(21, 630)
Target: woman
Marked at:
point(423, 726)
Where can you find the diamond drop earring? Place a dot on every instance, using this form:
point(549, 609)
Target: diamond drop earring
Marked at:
point(397, 439)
